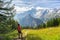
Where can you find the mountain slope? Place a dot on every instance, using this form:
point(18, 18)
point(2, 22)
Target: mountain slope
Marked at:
point(28, 20)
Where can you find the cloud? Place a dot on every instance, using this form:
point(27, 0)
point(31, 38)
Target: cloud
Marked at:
point(22, 9)
point(41, 3)
point(39, 8)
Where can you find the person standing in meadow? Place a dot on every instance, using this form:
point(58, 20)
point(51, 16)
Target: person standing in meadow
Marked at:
point(19, 31)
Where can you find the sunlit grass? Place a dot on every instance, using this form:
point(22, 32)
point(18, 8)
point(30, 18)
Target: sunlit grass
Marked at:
point(45, 34)
point(52, 33)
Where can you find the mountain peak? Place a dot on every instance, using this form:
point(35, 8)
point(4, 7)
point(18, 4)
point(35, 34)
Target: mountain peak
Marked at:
point(33, 16)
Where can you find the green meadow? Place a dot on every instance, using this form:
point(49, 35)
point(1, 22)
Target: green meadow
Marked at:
point(44, 34)
point(36, 34)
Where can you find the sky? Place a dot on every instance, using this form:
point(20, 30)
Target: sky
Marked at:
point(25, 5)
point(35, 3)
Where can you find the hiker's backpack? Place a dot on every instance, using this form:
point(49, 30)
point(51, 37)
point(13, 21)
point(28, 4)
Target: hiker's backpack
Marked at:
point(19, 27)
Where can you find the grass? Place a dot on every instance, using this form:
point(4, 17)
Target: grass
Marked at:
point(38, 34)
point(44, 34)
point(10, 35)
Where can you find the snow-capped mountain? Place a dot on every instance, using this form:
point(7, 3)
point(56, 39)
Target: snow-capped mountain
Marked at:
point(52, 13)
point(28, 20)
point(37, 16)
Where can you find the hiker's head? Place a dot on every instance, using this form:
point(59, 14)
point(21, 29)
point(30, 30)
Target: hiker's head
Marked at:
point(18, 24)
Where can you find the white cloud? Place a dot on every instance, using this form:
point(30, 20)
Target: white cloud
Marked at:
point(22, 9)
point(39, 8)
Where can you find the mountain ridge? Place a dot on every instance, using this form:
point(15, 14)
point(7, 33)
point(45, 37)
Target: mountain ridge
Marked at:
point(40, 14)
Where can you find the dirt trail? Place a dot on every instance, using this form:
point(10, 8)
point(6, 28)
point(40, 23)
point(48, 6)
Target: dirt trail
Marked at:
point(24, 36)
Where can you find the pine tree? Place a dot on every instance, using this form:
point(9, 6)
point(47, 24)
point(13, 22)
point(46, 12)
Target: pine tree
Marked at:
point(6, 16)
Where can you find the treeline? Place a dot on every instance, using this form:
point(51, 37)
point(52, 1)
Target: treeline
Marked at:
point(50, 23)
point(53, 22)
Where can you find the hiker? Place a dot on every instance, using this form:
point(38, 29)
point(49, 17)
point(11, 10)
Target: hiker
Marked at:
point(19, 31)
